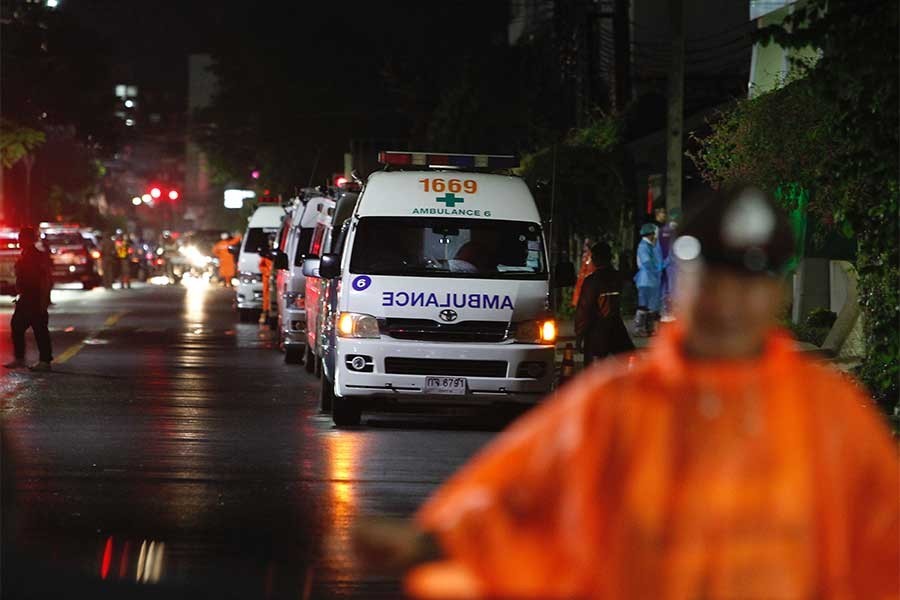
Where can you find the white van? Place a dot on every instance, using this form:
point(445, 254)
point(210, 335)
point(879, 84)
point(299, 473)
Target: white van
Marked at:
point(265, 223)
point(443, 291)
point(290, 283)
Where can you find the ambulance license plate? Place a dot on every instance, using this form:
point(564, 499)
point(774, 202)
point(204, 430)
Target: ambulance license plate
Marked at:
point(451, 386)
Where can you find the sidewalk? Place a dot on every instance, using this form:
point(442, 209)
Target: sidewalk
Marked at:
point(567, 336)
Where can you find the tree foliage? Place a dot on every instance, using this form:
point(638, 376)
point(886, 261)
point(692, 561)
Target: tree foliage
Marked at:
point(835, 132)
point(586, 169)
point(17, 141)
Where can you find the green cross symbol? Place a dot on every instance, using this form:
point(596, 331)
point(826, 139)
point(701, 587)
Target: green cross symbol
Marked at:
point(450, 200)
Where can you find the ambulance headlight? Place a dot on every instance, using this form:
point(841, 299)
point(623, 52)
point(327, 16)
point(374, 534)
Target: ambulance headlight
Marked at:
point(537, 332)
point(355, 325)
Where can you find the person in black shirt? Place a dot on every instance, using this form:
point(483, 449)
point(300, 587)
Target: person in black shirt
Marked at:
point(34, 280)
point(598, 318)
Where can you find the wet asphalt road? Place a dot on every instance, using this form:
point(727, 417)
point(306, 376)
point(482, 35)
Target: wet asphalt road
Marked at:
point(172, 453)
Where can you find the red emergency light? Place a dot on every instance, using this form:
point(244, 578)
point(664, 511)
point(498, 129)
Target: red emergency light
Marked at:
point(155, 192)
point(173, 195)
point(443, 159)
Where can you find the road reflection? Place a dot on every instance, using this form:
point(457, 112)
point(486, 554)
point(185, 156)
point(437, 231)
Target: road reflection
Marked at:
point(344, 450)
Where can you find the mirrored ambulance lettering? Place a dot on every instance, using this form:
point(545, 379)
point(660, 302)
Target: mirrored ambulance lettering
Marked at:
point(423, 299)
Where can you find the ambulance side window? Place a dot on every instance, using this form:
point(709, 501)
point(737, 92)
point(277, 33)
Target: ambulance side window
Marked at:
point(304, 241)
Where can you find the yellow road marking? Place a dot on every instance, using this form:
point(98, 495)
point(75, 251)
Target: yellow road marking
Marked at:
point(112, 320)
point(70, 352)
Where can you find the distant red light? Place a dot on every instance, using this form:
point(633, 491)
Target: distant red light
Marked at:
point(341, 181)
point(155, 192)
point(173, 195)
point(266, 193)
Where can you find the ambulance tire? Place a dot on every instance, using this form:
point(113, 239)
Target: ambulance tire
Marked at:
point(292, 355)
point(309, 360)
point(326, 395)
point(345, 412)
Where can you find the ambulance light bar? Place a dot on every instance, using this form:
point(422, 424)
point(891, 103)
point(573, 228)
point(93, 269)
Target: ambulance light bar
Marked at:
point(459, 161)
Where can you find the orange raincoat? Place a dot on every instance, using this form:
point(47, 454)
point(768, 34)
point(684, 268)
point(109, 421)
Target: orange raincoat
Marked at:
point(265, 269)
point(678, 480)
point(587, 267)
point(226, 258)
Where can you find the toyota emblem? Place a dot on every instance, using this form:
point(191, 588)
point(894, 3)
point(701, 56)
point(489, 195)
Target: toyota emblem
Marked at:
point(448, 316)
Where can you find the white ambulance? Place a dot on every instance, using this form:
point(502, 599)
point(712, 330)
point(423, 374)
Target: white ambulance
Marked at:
point(443, 290)
point(262, 227)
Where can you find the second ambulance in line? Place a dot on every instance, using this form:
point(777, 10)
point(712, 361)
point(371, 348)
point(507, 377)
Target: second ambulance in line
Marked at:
point(443, 291)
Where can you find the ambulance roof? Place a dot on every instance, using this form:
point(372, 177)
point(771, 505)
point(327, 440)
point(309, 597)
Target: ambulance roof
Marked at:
point(450, 193)
point(267, 216)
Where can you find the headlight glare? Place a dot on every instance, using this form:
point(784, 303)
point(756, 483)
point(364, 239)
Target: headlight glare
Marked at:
point(355, 325)
point(536, 332)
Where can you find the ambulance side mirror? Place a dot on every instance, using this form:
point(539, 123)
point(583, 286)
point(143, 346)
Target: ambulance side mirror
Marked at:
point(281, 260)
point(563, 275)
point(330, 266)
point(311, 267)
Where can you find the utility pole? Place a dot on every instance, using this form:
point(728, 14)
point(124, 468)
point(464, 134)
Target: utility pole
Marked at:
point(675, 115)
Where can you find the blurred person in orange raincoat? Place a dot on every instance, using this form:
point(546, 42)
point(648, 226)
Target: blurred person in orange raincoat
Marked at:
point(266, 265)
point(725, 464)
point(222, 251)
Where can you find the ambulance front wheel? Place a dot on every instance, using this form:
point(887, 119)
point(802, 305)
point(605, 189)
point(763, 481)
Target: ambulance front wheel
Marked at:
point(345, 412)
point(309, 360)
point(293, 355)
point(326, 395)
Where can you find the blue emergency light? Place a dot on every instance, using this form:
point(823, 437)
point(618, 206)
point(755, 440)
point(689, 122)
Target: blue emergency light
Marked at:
point(441, 159)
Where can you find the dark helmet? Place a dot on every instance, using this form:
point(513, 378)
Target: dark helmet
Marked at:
point(739, 228)
point(27, 235)
point(601, 253)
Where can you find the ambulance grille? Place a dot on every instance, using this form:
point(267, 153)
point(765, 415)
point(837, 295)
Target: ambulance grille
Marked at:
point(425, 330)
point(440, 366)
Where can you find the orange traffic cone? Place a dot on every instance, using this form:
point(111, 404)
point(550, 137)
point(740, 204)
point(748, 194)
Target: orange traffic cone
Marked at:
point(567, 369)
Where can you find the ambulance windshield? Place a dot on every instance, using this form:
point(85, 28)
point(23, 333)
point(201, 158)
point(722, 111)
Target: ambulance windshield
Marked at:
point(440, 247)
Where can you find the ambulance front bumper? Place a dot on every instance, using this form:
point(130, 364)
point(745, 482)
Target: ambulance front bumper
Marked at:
point(249, 295)
point(293, 326)
point(398, 370)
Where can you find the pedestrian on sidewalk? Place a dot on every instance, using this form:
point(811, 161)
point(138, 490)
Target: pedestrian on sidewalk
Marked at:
point(598, 316)
point(724, 463)
point(649, 282)
point(34, 282)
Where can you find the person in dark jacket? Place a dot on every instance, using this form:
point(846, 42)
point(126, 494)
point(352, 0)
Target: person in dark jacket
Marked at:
point(598, 317)
point(34, 280)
